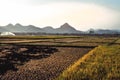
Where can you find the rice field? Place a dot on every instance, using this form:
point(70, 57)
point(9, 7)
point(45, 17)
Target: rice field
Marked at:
point(57, 57)
point(101, 63)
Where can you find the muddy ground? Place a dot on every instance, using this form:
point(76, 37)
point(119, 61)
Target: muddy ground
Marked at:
point(36, 62)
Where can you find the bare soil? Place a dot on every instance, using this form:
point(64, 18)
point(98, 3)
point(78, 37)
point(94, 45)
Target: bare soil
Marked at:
point(36, 62)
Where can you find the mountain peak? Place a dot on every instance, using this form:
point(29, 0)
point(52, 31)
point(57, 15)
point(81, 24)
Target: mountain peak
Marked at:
point(18, 24)
point(48, 27)
point(65, 25)
point(66, 28)
point(10, 24)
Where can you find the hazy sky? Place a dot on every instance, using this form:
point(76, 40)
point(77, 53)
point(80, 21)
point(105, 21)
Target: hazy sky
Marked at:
point(81, 14)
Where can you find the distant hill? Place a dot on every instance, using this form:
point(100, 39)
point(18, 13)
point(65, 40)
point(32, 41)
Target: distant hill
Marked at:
point(63, 29)
point(49, 29)
point(3, 29)
point(18, 28)
point(66, 28)
point(103, 31)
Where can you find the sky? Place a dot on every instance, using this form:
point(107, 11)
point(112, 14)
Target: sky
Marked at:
point(81, 14)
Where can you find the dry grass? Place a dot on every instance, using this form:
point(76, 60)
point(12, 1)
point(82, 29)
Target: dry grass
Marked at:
point(57, 40)
point(102, 63)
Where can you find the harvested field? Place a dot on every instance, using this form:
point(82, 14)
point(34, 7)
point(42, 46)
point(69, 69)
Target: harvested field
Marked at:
point(101, 63)
point(36, 62)
point(44, 57)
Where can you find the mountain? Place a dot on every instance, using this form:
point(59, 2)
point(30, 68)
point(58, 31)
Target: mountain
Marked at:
point(18, 28)
point(106, 31)
point(63, 29)
point(103, 31)
point(2, 29)
point(34, 29)
point(66, 28)
point(49, 29)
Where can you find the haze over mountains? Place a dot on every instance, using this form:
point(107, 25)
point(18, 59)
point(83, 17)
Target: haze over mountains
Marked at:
point(63, 29)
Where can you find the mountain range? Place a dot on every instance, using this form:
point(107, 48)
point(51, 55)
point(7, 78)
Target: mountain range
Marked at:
point(18, 28)
point(63, 29)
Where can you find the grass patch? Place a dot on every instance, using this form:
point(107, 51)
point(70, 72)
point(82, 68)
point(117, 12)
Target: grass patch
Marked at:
point(39, 37)
point(102, 63)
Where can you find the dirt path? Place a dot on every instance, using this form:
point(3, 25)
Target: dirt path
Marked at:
point(44, 67)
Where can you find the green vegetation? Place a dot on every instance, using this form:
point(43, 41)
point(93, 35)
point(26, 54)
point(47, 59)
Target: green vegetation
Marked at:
point(102, 63)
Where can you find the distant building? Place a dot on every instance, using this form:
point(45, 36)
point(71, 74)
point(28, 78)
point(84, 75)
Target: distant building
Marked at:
point(7, 34)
